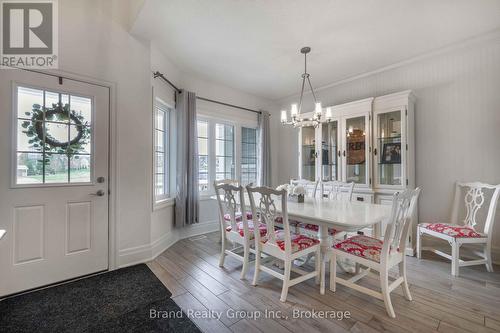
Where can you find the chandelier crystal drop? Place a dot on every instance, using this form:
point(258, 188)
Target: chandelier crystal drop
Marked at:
point(297, 119)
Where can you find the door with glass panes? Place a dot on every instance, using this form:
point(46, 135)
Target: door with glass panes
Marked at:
point(356, 149)
point(308, 153)
point(330, 150)
point(53, 179)
point(390, 148)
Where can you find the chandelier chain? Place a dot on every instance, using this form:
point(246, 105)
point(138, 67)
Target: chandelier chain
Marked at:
point(296, 112)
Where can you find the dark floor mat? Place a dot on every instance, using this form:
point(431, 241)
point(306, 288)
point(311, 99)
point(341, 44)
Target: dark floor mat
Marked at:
point(88, 304)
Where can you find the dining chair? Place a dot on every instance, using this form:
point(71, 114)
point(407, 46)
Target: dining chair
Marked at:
point(311, 189)
point(235, 227)
point(376, 254)
point(334, 190)
point(281, 244)
point(466, 231)
point(238, 214)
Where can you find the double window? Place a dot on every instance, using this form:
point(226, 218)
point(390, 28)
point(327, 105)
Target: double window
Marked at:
point(226, 151)
point(161, 152)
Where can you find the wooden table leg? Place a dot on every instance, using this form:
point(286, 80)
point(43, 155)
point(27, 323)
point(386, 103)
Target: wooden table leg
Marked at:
point(324, 240)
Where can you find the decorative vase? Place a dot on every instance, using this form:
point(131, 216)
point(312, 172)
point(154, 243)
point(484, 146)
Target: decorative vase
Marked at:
point(296, 198)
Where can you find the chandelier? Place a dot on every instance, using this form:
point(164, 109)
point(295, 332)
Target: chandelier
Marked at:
point(297, 120)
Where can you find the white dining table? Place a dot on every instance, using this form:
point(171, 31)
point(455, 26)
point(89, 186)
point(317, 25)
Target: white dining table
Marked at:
point(350, 216)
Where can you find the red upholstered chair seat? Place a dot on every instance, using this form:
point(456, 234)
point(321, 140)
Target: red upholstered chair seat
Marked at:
point(361, 246)
point(299, 242)
point(456, 231)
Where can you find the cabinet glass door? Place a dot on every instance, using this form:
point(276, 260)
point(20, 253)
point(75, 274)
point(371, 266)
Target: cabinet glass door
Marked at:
point(355, 152)
point(308, 155)
point(389, 153)
point(329, 148)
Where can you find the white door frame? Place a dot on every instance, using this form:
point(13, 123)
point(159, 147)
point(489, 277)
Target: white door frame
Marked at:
point(113, 160)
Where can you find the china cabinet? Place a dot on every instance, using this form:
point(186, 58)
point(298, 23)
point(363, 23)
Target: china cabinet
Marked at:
point(369, 142)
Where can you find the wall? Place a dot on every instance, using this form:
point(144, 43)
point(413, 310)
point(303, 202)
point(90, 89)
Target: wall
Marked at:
point(162, 231)
point(457, 120)
point(94, 42)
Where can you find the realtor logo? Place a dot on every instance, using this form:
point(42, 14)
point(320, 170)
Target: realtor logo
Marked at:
point(29, 34)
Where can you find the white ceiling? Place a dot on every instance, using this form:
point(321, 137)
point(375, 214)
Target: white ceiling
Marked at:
point(253, 45)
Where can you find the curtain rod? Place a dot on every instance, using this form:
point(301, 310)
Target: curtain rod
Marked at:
point(160, 75)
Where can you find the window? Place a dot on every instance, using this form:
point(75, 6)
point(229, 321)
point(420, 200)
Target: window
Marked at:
point(203, 155)
point(248, 156)
point(161, 150)
point(224, 151)
point(54, 137)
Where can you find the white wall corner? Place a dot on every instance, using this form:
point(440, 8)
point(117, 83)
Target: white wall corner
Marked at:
point(144, 253)
point(198, 229)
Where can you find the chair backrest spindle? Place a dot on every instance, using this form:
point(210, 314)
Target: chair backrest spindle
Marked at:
point(403, 207)
point(263, 201)
point(337, 190)
point(229, 198)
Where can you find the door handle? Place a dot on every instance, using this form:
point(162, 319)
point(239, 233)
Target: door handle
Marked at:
point(99, 193)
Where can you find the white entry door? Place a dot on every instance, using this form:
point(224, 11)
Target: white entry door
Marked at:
point(53, 179)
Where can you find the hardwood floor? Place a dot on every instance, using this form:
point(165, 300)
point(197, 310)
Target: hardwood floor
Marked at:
point(189, 269)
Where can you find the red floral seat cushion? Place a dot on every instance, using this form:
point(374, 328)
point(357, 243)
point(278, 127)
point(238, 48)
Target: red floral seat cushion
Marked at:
point(315, 228)
point(361, 246)
point(227, 217)
point(239, 225)
point(279, 220)
point(299, 242)
point(456, 231)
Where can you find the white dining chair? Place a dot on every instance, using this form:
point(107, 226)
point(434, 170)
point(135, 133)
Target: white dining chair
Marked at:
point(281, 244)
point(311, 187)
point(376, 254)
point(235, 226)
point(333, 190)
point(466, 231)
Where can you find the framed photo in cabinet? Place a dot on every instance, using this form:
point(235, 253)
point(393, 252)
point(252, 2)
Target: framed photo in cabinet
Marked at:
point(391, 153)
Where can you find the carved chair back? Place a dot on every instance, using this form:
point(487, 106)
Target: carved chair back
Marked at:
point(474, 199)
point(230, 198)
point(337, 190)
point(403, 207)
point(267, 204)
point(310, 186)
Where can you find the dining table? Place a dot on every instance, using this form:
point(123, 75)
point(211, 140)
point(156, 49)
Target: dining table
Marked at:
point(341, 215)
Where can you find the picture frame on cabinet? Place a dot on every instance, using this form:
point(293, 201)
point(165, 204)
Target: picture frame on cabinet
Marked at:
point(391, 153)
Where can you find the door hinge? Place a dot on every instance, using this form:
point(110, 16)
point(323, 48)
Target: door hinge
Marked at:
point(406, 111)
point(370, 181)
point(406, 181)
point(60, 80)
point(406, 146)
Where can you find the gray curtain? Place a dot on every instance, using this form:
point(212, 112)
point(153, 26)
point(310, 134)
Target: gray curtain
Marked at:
point(264, 178)
point(186, 199)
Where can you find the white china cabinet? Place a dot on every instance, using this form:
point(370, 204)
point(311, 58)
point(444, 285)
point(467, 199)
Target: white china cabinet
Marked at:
point(369, 142)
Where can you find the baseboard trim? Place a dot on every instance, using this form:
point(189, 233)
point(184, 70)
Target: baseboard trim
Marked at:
point(163, 243)
point(144, 253)
point(198, 229)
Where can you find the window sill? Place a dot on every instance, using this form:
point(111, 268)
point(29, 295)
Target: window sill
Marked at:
point(206, 196)
point(165, 203)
